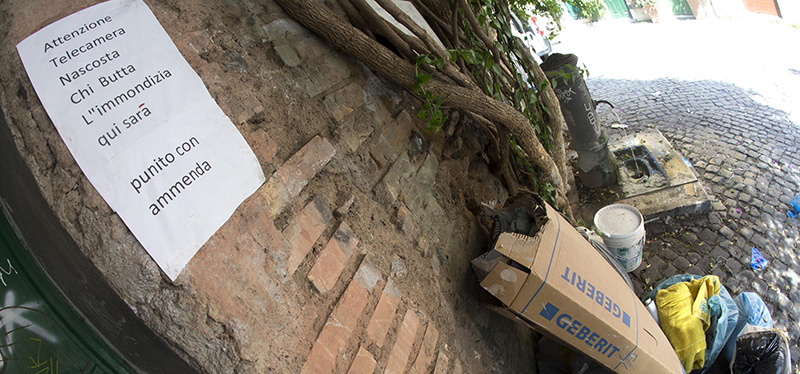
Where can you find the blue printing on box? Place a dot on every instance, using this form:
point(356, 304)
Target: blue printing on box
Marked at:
point(629, 358)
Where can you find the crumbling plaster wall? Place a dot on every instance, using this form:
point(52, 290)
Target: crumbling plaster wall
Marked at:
point(361, 202)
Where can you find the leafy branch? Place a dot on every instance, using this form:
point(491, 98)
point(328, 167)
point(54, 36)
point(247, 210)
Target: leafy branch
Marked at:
point(431, 110)
point(470, 63)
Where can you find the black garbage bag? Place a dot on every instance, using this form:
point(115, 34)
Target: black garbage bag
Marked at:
point(762, 352)
point(522, 214)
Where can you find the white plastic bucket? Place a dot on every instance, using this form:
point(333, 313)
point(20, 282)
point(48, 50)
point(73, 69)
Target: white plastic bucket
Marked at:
point(622, 229)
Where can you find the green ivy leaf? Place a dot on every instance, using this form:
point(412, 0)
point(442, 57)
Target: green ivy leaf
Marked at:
point(470, 57)
point(497, 70)
point(423, 79)
point(544, 85)
point(452, 54)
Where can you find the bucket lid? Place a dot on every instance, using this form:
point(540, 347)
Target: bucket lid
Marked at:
point(618, 220)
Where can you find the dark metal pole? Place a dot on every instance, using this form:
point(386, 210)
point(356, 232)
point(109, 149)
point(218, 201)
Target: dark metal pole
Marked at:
point(596, 165)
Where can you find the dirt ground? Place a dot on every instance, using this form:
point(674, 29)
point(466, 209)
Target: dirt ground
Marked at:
point(430, 262)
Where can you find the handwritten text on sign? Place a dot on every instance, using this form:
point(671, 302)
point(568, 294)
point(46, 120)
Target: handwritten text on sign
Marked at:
point(142, 126)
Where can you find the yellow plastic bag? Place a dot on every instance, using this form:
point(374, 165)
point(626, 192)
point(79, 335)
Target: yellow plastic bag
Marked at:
point(684, 316)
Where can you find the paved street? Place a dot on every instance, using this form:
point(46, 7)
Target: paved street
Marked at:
point(727, 94)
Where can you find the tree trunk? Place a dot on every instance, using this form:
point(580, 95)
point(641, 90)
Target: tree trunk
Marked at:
point(555, 121)
point(316, 16)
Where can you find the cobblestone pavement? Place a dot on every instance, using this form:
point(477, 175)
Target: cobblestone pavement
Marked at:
point(745, 151)
point(746, 155)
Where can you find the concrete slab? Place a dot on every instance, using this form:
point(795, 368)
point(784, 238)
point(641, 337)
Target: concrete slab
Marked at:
point(654, 178)
point(673, 201)
point(677, 170)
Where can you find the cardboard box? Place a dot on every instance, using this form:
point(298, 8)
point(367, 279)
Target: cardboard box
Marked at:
point(559, 283)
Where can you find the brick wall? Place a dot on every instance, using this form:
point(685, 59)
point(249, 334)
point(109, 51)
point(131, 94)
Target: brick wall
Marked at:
point(351, 258)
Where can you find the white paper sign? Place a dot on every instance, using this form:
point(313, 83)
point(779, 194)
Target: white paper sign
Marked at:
point(142, 126)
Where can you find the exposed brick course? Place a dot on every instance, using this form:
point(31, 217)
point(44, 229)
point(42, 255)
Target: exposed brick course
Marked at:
point(401, 351)
point(426, 352)
point(392, 140)
point(333, 258)
point(364, 363)
point(384, 314)
point(339, 327)
point(344, 101)
point(442, 363)
point(303, 232)
point(290, 179)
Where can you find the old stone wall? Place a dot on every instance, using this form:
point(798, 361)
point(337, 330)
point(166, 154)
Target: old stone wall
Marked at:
point(352, 257)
